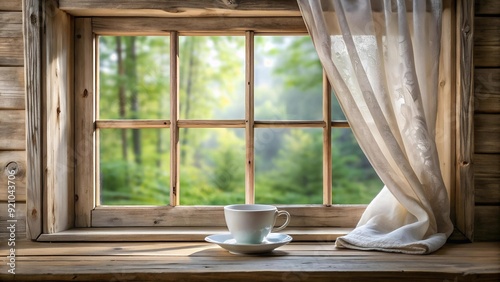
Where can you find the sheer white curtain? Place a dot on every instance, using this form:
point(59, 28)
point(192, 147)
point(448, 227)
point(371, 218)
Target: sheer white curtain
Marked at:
point(382, 58)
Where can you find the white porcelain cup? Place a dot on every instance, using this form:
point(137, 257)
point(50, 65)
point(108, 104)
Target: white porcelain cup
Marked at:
point(250, 224)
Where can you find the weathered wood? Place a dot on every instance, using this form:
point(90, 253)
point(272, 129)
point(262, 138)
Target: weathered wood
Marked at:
point(58, 118)
point(487, 7)
point(11, 24)
point(487, 190)
point(11, 51)
point(211, 123)
point(487, 90)
point(487, 56)
point(486, 31)
point(13, 161)
point(318, 261)
point(302, 216)
point(327, 141)
point(12, 130)
point(289, 124)
point(132, 124)
point(11, 5)
point(487, 133)
point(174, 117)
point(464, 197)
point(84, 122)
point(11, 88)
point(249, 117)
point(212, 8)
point(487, 165)
point(487, 223)
point(226, 26)
point(33, 54)
point(19, 221)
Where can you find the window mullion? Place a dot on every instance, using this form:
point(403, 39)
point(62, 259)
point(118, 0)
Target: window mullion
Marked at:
point(327, 141)
point(174, 114)
point(249, 119)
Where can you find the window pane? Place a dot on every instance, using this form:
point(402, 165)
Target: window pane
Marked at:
point(288, 79)
point(212, 77)
point(134, 166)
point(134, 76)
point(212, 166)
point(288, 166)
point(353, 179)
point(337, 113)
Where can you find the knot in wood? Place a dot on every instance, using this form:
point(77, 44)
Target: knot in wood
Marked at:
point(12, 166)
point(33, 19)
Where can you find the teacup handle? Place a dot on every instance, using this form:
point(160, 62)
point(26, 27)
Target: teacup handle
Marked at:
point(278, 213)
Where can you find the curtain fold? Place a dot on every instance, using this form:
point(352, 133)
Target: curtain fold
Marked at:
point(382, 58)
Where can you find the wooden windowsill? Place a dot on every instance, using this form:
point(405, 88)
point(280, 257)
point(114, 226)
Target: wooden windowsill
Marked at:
point(200, 261)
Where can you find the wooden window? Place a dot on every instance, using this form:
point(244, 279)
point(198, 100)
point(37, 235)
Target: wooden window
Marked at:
point(66, 55)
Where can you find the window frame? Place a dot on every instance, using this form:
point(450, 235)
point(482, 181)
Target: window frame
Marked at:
point(54, 207)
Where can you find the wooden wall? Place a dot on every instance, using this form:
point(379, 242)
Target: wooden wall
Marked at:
point(12, 114)
point(487, 119)
point(487, 116)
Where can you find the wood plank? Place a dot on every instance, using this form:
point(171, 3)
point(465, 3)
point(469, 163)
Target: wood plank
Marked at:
point(12, 130)
point(327, 141)
point(84, 122)
point(486, 31)
point(18, 219)
point(13, 161)
point(33, 55)
point(487, 90)
point(11, 88)
point(161, 26)
point(190, 8)
point(302, 216)
point(11, 5)
point(487, 223)
point(211, 123)
point(249, 117)
point(11, 24)
point(487, 133)
point(487, 190)
point(487, 7)
point(174, 117)
point(58, 119)
point(132, 124)
point(487, 56)
point(11, 51)
point(487, 165)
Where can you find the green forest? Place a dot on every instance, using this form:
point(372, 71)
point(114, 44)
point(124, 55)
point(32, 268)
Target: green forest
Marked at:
point(134, 164)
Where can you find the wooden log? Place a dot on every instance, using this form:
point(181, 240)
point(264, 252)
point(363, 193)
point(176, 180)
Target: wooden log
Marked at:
point(11, 5)
point(487, 223)
point(487, 90)
point(12, 130)
point(11, 24)
point(487, 133)
point(13, 161)
point(11, 51)
point(12, 88)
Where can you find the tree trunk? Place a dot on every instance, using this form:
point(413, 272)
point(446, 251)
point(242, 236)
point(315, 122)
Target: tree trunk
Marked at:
point(189, 89)
point(134, 99)
point(121, 95)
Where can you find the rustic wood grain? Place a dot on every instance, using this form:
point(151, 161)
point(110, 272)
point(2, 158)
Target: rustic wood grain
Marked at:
point(211, 8)
point(487, 56)
point(249, 117)
point(487, 7)
point(11, 24)
point(464, 197)
point(487, 133)
point(32, 29)
point(132, 124)
point(327, 141)
point(16, 161)
point(84, 122)
point(487, 190)
point(487, 223)
point(20, 224)
point(487, 165)
point(58, 118)
point(487, 90)
point(11, 51)
point(12, 88)
point(12, 130)
point(486, 31)
point(226, 26)
point(174, 116)
point(11, 5)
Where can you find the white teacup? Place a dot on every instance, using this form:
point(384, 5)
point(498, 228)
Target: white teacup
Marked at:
point(250, 224)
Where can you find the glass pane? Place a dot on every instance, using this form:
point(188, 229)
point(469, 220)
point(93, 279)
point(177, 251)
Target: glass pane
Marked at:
point(353, 179)
point(288, 79)
point(337, 113)
point(212, 166)
point(134, 166)
point(134, 76)
point(288, 166)
point(212, 77)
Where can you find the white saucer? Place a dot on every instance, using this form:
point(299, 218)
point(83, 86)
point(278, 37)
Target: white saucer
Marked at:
point(272, 241)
